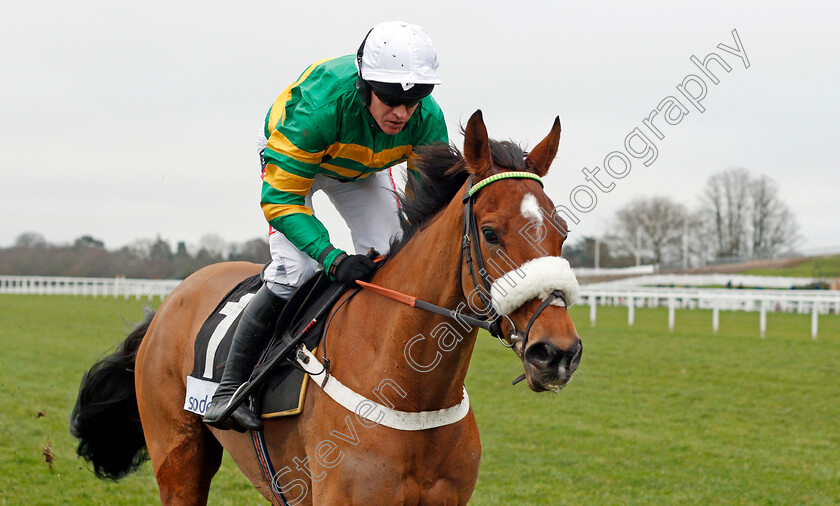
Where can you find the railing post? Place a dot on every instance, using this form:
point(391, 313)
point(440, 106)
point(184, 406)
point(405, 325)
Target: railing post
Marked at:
point(672, 302)
point(715, 318)
point(814, 318)
point(593, 300)
point(762, 319)
point(631, 310)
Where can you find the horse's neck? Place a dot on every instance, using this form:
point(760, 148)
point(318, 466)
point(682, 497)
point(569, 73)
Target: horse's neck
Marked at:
point(434, 367)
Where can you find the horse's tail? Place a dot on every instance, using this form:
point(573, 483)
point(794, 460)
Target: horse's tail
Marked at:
point(106, 419)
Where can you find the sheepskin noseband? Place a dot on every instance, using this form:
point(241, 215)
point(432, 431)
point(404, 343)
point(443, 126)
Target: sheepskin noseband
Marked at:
point(535, 278)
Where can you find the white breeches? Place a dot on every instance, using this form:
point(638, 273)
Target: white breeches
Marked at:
point(368, 206)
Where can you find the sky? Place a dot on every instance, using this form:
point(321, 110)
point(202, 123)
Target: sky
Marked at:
point(136, 120)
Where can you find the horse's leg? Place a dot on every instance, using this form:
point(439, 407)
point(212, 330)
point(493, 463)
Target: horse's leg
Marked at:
point(184, 454)
point(185, 457)
point(284, 443)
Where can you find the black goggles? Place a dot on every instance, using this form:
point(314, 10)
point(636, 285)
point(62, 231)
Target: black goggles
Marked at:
point(392, 101)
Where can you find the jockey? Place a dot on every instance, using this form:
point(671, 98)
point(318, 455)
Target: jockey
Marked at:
point(338, 128)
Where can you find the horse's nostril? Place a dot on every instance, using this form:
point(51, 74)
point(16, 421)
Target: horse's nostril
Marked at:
point(547, 356)
point(543, 355)
point(574, 353)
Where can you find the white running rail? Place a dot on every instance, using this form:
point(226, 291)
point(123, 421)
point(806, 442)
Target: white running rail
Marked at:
point(683, 280)
point(815, 302)
point(95, 287)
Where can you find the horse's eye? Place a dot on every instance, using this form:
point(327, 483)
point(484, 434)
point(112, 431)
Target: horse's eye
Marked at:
point(490, 235)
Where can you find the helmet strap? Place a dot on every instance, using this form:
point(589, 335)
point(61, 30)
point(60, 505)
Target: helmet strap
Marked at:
point(362, 87)
point(364, 90)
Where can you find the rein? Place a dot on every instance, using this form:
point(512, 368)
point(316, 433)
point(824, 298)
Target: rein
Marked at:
point(470, 319)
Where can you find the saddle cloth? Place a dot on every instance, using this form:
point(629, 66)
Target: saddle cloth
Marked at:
point(283, 390)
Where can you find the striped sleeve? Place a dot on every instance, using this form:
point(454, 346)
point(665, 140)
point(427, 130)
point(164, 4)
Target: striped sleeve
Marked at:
point(295, 149)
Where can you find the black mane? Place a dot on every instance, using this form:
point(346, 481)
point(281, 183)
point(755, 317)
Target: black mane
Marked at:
point(442, 173)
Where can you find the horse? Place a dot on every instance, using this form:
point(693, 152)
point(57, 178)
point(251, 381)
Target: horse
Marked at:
point(130, 406)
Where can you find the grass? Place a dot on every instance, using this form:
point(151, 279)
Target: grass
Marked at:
point(820, 267)
point(656, 417)
point(46, 345)
point(651, 417)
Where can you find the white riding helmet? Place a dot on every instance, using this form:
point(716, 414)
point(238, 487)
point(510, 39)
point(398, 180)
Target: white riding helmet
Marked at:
point(398, 59)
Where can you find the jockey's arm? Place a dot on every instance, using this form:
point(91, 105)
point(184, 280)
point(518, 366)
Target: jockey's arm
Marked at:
point(283, 203)
point(295, 149)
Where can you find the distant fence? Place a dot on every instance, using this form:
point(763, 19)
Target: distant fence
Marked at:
point(734, 280)
point(806, 253)
point(616, 271)
point(94, 287)
point(815, 302)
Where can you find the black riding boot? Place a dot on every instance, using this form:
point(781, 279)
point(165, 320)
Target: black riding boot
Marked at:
point(250, 338)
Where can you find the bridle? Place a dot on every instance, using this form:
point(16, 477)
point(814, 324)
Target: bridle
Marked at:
point(470, 244)
point(488, 319)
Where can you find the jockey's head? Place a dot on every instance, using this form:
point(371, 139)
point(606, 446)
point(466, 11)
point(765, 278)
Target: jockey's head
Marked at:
point(397, 68)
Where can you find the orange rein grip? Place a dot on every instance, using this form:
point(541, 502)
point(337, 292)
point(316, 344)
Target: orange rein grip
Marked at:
point(391, 294)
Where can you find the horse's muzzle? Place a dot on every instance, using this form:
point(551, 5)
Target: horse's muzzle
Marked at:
point(548, 367)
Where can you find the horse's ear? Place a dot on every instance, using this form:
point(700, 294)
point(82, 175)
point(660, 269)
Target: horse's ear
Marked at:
point(477, 145)
point(540, 158)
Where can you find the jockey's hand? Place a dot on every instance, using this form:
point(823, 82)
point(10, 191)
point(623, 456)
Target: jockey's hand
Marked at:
point(348, 268)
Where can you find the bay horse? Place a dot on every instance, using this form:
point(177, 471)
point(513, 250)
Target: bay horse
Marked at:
point(328, 454)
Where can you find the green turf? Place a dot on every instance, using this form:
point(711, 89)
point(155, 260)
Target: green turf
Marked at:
point(656, 417)
point(821, 267)
point(46, 345)
point(650, 417)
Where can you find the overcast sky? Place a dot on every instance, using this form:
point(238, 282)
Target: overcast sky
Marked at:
point(132, 120)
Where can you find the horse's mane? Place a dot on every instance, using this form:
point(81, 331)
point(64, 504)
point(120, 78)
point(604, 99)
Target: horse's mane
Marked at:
point(442, 172)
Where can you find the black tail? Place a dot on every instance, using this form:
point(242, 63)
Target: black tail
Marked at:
point(106, 419)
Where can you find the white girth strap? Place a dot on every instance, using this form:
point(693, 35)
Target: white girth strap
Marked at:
point(375, 412)
point(535, 278)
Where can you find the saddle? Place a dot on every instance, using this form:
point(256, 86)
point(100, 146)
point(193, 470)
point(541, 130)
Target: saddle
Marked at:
point(283, 388)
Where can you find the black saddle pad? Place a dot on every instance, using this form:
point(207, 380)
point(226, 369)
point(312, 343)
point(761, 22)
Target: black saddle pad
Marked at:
point(283, 390)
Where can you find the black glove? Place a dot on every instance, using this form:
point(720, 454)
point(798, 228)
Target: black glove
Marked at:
point(348, 268)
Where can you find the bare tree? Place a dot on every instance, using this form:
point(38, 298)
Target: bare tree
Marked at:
point(773, 225)
point(726, 199)
point(747, 214)
point(657, 223)
point(702, 241)
point(213, 245)
point(581, 253)
point(30, 240)
point(144, 258)
point(141, 248)
point(254, 250)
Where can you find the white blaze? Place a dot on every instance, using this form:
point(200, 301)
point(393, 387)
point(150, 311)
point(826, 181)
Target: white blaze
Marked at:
point(530, 209)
